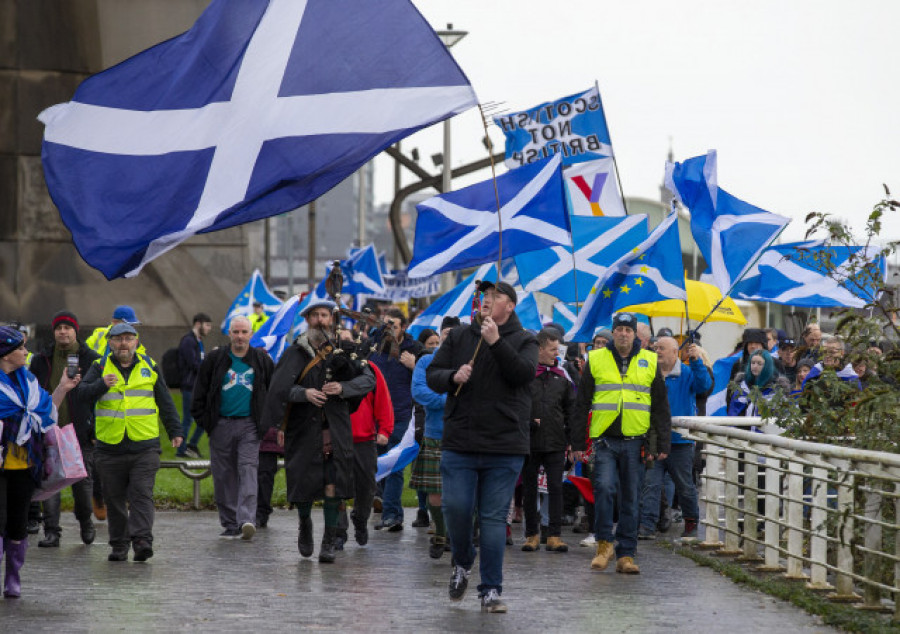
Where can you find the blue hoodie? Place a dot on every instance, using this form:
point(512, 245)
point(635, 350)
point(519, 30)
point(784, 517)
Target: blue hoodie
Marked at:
point(683, 384)
point(429, 399)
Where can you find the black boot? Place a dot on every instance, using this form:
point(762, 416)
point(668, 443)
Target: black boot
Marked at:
point(305, 537)
point(421, 520)
point(326, 550)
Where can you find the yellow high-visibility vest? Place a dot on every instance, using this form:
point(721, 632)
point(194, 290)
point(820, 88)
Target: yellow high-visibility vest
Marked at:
point(128, 406)
point(615, 394)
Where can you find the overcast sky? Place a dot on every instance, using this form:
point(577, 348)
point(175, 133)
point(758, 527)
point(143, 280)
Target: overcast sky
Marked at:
point(800, 98)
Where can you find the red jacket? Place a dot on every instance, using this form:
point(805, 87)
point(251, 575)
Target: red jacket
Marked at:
point(375, 415)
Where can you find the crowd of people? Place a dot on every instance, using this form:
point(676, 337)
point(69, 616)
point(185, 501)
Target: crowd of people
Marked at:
point(506, 420)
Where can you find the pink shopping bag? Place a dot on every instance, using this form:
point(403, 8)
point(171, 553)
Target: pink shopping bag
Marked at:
point(63, 464)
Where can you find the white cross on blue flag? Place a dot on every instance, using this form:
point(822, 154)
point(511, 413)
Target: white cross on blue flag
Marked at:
point(730, 233)
point(460, 229)
point(261, 107)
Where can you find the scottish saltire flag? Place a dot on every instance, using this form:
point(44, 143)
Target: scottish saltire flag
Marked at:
point(456, 302)
point(730, 233)
point(461, 229)
point(717, 403)
point(275, 334)
point(573, 127)
point(362, 273)
point(592, 190)
point(261, 107)
point(651, 271)
point(565, 314)
point(528, 312)
point(255, 290)
point(397, 458)
point(794, 274)
point(598, 243)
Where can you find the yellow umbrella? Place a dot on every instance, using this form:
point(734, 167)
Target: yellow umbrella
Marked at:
point(701, 299)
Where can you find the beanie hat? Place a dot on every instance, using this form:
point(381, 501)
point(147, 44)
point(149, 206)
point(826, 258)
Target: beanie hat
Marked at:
point(64, 317)
point(755, 335)
point(10, 339)
point(625, 319)
point(449, 321)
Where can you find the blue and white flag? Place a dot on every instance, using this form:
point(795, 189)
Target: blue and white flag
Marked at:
point(460, 229)
point(598, 243)
point(650, 272)
point(795, 274)
point(261, 107)
point(275, 334)
point(457, 302)
point(730, 233)
point(573, 127)
point(565, 314)
point(528, 312)
point(717, 403)
point(255, 290)
point(397, 458)
point(362, 273)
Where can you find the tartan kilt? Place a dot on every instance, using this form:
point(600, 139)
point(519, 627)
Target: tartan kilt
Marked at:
point(426, 470)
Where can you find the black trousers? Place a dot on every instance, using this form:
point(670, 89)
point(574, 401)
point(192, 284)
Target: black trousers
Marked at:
point(128, 480)
point(16, 487)
point(553, 462)
point(265, 483)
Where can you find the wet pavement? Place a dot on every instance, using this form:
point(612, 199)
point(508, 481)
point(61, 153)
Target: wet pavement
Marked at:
point(199, 582)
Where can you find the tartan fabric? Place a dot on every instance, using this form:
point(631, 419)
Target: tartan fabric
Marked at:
point(426, 470)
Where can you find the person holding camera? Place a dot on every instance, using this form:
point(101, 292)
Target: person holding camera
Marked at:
point(68, 355)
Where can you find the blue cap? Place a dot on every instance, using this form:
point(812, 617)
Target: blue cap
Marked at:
point(319, 303)
point(126, 314)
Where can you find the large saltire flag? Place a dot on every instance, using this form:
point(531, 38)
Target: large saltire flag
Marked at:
point(730, 233)
point(651, 271)
point(813, 274)
point(573, 127)
point(362, 273)
point(275, 335)
point(598, 243)
point(261, 107)
point(255, 290)
point(592, 190)
point(460, 229)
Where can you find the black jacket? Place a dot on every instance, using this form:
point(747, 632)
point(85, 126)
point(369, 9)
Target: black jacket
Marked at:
point(207, 395)
point(659, 436)
point(81, 413)
point(553, 403)
point(189, 359)
point(493, 409)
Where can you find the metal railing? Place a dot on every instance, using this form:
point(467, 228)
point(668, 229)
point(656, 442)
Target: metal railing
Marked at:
point(821, 513)
point(196, 470)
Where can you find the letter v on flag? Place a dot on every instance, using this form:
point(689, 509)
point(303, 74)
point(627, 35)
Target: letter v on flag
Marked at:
point(261, 107)
point(461, 229)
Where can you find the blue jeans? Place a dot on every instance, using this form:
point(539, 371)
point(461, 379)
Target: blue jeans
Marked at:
point(486, 481)
point(679, 465)
point(391, 506)
point(617, 469)
point(186, 421)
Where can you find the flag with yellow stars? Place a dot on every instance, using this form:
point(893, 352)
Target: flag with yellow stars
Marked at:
point(650, 272)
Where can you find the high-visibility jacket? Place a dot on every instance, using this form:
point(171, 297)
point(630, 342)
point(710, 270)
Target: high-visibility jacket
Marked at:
point(256, 321)
point(99, 343)
point(128, 406)
point(615, 394)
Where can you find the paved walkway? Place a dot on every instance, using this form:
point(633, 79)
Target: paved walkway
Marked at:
point(198, 582)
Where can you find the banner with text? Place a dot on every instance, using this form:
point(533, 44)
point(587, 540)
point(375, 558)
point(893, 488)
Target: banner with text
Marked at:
point(573, 126)
point(398, 287)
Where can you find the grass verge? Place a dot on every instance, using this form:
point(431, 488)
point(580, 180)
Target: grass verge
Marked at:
point(839, 615)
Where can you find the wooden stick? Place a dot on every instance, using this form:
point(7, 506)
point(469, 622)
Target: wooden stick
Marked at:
point(472, 363)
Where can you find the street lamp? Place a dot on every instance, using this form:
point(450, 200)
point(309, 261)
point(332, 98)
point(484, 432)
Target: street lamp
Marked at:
point(449, 37)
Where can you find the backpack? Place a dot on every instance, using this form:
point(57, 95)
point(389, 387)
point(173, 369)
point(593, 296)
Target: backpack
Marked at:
point(171, 368)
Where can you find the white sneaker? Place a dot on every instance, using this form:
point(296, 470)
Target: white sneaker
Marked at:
point(248, 530)
point(588, 541)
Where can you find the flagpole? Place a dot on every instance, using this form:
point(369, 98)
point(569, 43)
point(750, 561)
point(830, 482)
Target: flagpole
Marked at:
point(490, 149)
point(740, 277)
point(615, 162)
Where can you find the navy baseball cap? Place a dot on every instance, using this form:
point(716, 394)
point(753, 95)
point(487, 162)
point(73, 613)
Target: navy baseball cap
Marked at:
point(625, 319)
point(126, 314)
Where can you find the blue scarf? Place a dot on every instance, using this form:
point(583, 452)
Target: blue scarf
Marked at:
point(26, 411)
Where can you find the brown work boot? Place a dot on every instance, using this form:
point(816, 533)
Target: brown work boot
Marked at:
point(556, 545)
point(532, 543)
point(605, 552)
point(627, 566)
point(99, 510)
